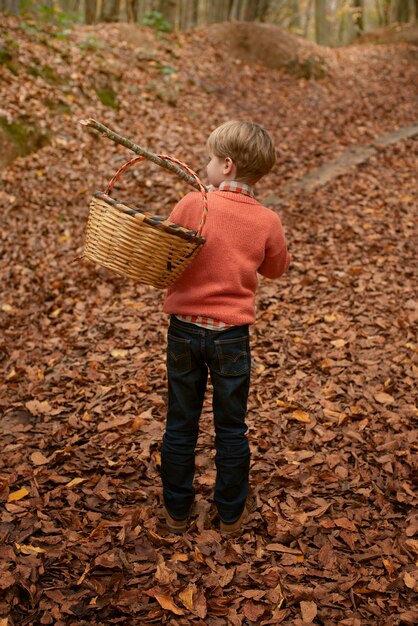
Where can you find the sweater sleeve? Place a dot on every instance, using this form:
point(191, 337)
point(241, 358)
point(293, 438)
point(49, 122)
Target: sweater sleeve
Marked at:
point(277, 259)
point(275, 266)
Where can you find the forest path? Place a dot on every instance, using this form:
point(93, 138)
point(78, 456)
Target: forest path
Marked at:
point(353, 157)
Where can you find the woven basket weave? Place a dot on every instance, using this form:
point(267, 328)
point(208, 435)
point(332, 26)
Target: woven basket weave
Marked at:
point(133, 242)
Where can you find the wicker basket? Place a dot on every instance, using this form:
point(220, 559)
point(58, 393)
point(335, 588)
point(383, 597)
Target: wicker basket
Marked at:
point(133, 242)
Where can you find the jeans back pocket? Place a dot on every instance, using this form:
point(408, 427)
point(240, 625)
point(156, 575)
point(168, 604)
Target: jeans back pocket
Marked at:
point(179, 355)
point(233, 356)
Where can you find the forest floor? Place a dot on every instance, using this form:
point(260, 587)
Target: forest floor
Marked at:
point(332, 409)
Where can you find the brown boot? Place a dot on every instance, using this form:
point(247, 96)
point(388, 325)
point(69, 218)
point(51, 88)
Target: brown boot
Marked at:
point(235, 527)
point(174, 525)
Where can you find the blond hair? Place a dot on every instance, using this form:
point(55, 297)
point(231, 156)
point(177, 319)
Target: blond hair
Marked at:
point(249, 146)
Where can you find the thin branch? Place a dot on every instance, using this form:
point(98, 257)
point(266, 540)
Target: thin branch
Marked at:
point(127, 143)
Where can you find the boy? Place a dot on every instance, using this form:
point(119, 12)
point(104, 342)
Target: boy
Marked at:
point(211, 306)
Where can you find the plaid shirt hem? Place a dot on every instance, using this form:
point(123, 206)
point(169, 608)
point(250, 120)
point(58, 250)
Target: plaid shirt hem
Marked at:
point(204, 322)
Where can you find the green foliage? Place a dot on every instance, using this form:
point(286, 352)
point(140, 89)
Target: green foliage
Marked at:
point(38, 17)
point(90, 43)
point(168, 70)
point(8, 48)
point(6, 58)
point(311, 68)
point(157, 21)
point(59, 107)
point(46, 72)
point(107, 96)
point(23, 136)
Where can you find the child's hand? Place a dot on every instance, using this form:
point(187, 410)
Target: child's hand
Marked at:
point(211, 188)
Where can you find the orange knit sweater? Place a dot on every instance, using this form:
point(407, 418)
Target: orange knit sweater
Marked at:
point(242, 238)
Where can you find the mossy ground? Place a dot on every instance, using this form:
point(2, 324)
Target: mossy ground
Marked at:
point(18, 139)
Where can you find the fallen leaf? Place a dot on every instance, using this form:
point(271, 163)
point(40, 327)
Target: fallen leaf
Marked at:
point(338, 343)
point(164, 574)
point(384, 398)
point(253, 611)
point(186, 597)
point(166, 602)
point(281, 597)
point(115, 423)
point(38, 408)
point(309, 611)
point(84, 574)
point(413, 544)
point(300, 416)
point(75, 481)
point(409, 617)
point(6, 580)
point(198, 555)
point(4, 490)
point(119, 353)
point(29, 549)
point(409, 581)
point(278, 547)
point(179, 556)
point(17, 495)
point(38, 458)
point(344, 522)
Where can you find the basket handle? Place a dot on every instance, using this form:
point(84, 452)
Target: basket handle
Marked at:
point(202, 188)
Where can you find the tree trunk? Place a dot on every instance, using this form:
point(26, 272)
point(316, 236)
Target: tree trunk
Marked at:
point(10, 6)
point(195, 12)
point(110, 11)
point(307, 18)
point(295, 22)
point(402, 11)
point(234, 12)
point(90, 8)
point(256, 10)
point(132, 10)
point(168, 9)
point(69, 6)
point(387, 6)
point(358, 16)
point(321, 29)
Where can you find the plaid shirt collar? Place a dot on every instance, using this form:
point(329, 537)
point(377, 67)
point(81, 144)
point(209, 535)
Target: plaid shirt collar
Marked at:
point(236, 187)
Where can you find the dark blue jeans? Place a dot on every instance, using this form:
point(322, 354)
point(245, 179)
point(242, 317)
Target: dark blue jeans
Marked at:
point(192, 352)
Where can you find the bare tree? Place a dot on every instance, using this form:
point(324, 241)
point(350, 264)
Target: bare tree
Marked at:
point(402, 11)
point(307, 17)
point(295, 22)
point(256, 10)
point(234, 11)
point(358, 15)
point(132, 10)
point(168, 9)
point(110, 11)
point(90, 9)
point(321, 30)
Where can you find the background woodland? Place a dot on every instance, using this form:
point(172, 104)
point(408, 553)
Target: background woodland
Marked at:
point(328, 22)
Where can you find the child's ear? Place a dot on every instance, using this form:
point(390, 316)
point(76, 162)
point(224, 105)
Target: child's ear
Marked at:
point(229, 166)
